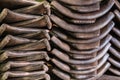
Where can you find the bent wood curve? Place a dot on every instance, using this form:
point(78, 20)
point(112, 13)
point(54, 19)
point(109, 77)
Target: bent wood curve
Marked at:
point(117, 3)
point(20, 74)
point(105, 8)
point(39, 22)
point(114, 62)
point(64, 46)
point(67, 59)
point(39, 77)
point(67, 38)
point(83, 28)
point(80, 2)
point(101, 72)
point(114, 52)
point(116, 31)
point(114, 71)
point(23, 54)
point(38, 9)
point(85, 8)
point(23, 66)
point(10, 40)
point(116, 42)
point(9, 16)
point(38, 45)
point(66, 76)
point(66, 67)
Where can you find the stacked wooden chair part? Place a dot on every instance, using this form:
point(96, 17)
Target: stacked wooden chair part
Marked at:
point(24, 40)
point(81, 39)
point(69, 38)
point(115, 41)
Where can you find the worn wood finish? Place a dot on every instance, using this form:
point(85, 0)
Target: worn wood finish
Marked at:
point(20, 74)
point(38, 9)
point(39, 77)
point(66, 67)
point(80, 2)
point(82, 40)
point(80, 44)
point(115, 41)
point(24, 40)
point(85, 8)
point(83, 28)
point(70, 39)
point(8, 16)
point(105, 8)
point(23, 55)
point(39, 22)
point(67, 48)
point(66, 76)
point(23, 66)
point(66, 58)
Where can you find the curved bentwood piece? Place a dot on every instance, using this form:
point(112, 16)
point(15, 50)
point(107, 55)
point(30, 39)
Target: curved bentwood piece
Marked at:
point(93, 65)
point(17, 3)
point(24, 32)
point(90, 66)
point(85, 8)
point(23, 55)
point(39, 77)
point(117, 3)
point(10, 40)
point(100, 72)
point(115, 71)
point(66, 76)
point(78, 46)
point(66, 47)
point(23, 66)
point(82, 56)
point(114, 52)
point(9, 16)
point(19, 74)
point(87, 46)
point(16, 30)
point(64, 57)
point(66, 67)
point(93, 15)
point(80, 2)
point(70, 39)
point(81, 21)
point(83, 35)
point(116, 31)
point(116, 42)
point(117, 14)
point(38, 45)
point(37, 35)
point(39, 22)
point(38, 9)
point(114, 62)
point(84, 28)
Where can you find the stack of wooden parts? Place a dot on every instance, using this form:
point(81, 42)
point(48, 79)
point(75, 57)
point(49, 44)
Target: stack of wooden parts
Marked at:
point(81, 39)
point(114, 50)
point(24, 40)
